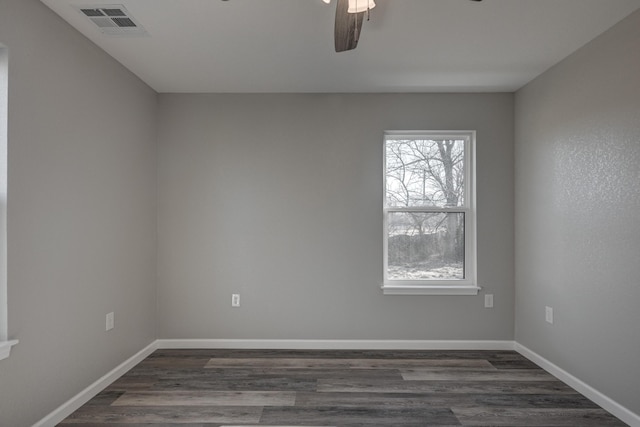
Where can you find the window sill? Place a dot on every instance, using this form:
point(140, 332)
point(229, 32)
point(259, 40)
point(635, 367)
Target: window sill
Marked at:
point(430, 290)
point(5, 348)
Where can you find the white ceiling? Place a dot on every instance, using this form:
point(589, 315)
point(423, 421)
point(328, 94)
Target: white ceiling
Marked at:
point(408, 46)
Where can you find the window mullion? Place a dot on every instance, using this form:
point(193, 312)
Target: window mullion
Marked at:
point(456, 209)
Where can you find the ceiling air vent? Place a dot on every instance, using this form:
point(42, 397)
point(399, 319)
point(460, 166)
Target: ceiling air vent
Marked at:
point(112, 20)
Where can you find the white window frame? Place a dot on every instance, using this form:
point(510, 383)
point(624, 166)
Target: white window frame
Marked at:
point(5, 343)
point(468, 285)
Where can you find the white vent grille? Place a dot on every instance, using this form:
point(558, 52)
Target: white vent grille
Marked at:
point(112, 20)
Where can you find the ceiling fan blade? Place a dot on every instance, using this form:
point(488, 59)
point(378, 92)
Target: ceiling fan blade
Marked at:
point(348, 26)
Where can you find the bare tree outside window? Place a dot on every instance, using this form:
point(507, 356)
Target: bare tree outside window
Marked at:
point(425, 207)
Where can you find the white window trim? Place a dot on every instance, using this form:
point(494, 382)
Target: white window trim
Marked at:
point(5, 344)
point(467, 286)
point(5, 348)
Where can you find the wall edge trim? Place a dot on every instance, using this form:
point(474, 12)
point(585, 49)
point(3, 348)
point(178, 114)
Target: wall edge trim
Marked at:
point(293, 344)
point(585, 389)
point(67, 408)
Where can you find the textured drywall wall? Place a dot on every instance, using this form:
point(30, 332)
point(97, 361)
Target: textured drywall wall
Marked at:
point(279, 198)
point(81, 212)
point(577, 204)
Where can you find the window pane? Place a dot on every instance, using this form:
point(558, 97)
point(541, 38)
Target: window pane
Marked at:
point(425, 246)
point(425, 172)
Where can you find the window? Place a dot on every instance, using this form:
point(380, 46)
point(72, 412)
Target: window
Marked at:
point(429, 213)
point(5, 345)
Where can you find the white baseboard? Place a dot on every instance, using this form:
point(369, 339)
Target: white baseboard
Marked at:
point(335, 344)
point(591, 393)
point(85, 395)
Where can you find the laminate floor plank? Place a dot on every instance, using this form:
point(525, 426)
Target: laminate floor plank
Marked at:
point(315, 363)
point(361, 415)
point(149, 376)
point(513, 364)
point(105, 397)
point(381, 400)
point(474, 375)
point(108, 424)
point(523, 401)
point(123, 384)
point(166, 414)
point(339, 388)
point(177, 362)
point(241, 384)
point(389, 374)
point(417, 400)
point(206, 398)
point(381, 386)
point(536, 417)
point(178, 425)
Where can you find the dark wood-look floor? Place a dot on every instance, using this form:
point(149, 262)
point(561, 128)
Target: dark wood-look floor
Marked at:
point(217, 388)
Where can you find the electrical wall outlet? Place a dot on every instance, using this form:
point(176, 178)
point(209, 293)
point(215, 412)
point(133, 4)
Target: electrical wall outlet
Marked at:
point(110, 322)
point(548, 314)
point(235, 300)
point(488, 301)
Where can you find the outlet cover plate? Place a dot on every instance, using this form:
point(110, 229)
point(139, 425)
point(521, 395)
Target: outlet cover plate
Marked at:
point(488, 301)
point(235, 300)
point(110, 323)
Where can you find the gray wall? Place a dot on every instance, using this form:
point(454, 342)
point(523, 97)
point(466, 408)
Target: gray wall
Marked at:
point(577, 204)
point(81, 213)
point(279, 198)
